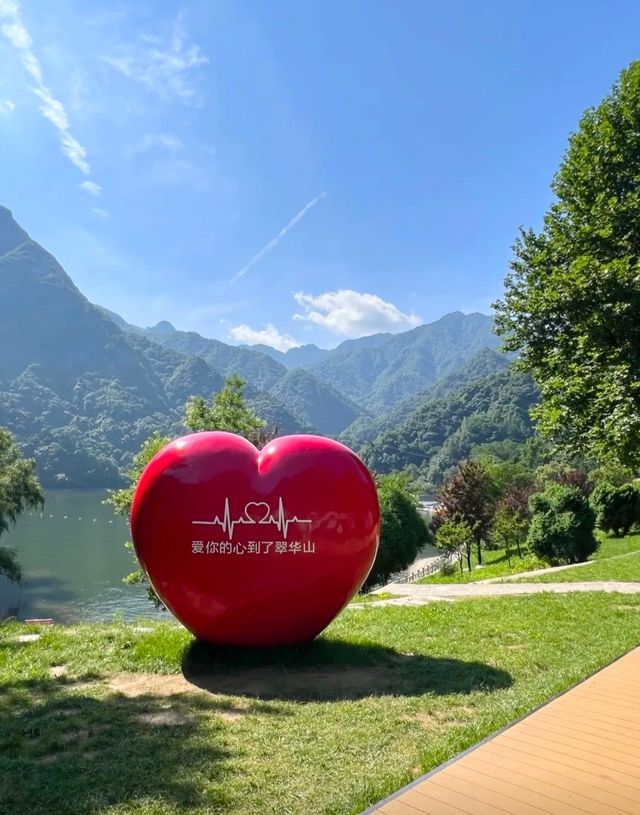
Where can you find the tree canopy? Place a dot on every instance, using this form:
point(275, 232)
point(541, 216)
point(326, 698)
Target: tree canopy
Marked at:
point(403, 530)
point(227, 411)
point(571, 306)
point(19, 490)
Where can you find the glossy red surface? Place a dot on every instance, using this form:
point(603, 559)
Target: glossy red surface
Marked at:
point(251, 547)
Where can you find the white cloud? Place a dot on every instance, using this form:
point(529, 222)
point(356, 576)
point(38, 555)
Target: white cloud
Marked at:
point(7, 106)
point(100, 213)
point(92, 188)
point(51, 108)
point(353, 314)
point(164, 68)
point(269, 335)
point(275, 241)
point(155, 141)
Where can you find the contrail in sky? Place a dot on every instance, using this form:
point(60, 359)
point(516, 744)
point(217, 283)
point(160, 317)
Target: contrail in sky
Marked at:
point(275, 241)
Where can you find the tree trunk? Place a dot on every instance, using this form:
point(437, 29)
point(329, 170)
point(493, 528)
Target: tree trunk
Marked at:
point(479, 548)
point(469, 557)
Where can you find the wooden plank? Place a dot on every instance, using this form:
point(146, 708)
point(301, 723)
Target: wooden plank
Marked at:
point(480, 802)
point(590, 746)
point(578, 755)
point(592, 726)
point(437, 800)
point(399, 807)
point(589, 738)
point(576, 758)
point(583, 769)
point(587, 781)
point(502, 788)
point(528, 774)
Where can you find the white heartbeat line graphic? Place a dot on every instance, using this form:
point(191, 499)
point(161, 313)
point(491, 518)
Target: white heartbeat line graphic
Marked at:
point(280, 520)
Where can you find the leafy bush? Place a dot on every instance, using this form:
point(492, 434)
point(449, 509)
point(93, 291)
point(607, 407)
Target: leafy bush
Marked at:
point(404, 531)
point(448, 568)
point(617, 509)
point(562, 524)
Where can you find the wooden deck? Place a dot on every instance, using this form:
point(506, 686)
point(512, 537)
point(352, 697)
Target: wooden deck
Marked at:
point(579, 753)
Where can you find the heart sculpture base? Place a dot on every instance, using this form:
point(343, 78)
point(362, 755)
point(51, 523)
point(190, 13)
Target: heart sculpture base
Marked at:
point(255, 548)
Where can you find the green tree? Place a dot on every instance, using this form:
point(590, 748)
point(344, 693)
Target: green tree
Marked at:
point(507, 475)
point(571, 306)
point(227, 411)
point(455, 538)
point(403, 530)
point(615, 474)
point(19, 490)
point(562, 524)
point(559, 473)
point(469, 496)
point(508, 530)
point(617, 508)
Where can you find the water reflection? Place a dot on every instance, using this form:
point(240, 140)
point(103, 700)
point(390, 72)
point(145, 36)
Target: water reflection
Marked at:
point(73, 560)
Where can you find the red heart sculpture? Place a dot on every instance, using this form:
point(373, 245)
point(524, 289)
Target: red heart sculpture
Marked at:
point(250, 547)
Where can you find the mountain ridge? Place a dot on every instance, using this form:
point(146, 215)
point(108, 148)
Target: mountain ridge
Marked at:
point(82, 388)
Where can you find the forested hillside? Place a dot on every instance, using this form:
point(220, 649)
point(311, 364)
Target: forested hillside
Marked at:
point(382, 371)
point(314, 402)
point(442, 431)
point(78, 392)
point(367, 428)
point(81, 388)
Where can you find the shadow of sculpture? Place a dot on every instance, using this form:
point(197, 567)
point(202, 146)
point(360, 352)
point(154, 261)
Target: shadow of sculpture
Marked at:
point(75, 754)
point(332, 670)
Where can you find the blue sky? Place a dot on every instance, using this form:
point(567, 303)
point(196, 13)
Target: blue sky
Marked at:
point(300, 171)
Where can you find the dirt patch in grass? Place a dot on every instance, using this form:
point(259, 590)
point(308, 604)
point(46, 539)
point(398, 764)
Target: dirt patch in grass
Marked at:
point(427, 720)
point(133, 685)
point(262, 683)
point(56, 671)
point(316, 683)
point(165, 718)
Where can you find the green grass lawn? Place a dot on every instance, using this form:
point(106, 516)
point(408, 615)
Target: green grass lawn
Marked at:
point(99, 718)
point(610, 547)
point(496, 564)
point(625, 568)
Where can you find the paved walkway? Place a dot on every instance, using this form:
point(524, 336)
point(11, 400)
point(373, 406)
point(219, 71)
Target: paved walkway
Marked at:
point(579, 753)
point(427, 557)
point(417, 594)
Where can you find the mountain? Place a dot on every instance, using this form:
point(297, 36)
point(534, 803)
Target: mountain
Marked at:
point(382, 371)
point(259, 369)
point(82, 388)
point(366, 428)
point(300, 357)
point(316, 402)
point(80, 393)
point(442, 431)
point(305, 395)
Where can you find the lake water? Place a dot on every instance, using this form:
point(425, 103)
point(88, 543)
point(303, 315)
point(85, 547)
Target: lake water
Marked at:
point(73, 560)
